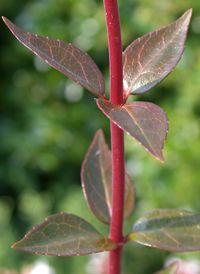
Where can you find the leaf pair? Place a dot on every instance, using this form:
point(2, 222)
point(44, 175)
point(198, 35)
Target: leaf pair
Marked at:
point(66, 234)
point(146, 62)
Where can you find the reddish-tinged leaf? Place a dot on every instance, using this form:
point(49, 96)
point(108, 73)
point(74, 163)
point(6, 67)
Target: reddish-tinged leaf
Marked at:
point(172, 269)
point(65, 57)
point(146, 122)
point(96, 177)
point(148, 60)
point(64, 235)
point(168, 229)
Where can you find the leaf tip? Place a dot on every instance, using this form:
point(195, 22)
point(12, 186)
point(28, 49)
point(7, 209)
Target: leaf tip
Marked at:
point(3, 18)
point(162, 161)
point(161, 157)
point(6, 20)
point(14, 245)
point(190, 11)
point(188, 15)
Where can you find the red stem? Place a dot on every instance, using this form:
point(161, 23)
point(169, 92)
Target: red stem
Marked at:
point(117, 135)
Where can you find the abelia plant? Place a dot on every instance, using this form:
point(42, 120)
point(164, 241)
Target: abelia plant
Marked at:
point(107, 187)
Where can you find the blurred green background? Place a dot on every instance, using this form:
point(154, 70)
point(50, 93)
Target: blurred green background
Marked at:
point(47, 123)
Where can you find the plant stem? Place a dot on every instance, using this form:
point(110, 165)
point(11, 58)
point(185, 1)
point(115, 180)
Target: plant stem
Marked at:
point(117, 135)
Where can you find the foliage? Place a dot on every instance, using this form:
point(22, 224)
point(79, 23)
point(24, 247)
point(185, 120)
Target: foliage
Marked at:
point(52, 158)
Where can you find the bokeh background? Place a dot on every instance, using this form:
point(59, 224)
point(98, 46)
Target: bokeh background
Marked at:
point(47, 123)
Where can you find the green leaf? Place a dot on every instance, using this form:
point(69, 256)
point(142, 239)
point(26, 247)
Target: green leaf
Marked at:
point(172, 269)
point(168, 229)
point(96, 177)
point(65, 57)
point(149, 59)
point(146, 122)
point(64, 235)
